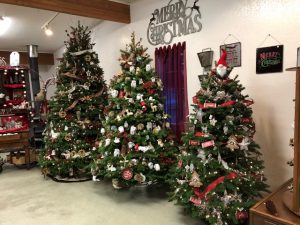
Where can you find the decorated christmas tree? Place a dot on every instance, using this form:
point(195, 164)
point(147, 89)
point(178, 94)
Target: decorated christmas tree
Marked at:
point(76, 110)
point(137, 146)
point(219, 170)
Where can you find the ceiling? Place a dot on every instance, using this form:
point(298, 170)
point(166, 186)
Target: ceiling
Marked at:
point(26, 29)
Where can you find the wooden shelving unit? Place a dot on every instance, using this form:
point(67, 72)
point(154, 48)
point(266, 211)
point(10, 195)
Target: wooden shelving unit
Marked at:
point(14, 114)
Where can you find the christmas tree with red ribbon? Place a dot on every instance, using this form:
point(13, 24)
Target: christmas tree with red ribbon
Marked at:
point(219, 171)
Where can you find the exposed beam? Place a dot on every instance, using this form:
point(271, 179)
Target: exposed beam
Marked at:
point(100, 9)
point(43, 58)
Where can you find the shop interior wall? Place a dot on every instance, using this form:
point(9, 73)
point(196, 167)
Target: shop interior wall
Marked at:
point(250, 21)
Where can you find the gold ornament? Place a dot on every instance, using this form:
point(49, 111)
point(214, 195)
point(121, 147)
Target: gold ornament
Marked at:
point(62, 114)
point(139, 178)
point(68, 137)
point(87, 58)
point(72, 154)
point(81, 153)
point(140, 126)
point(45, 171)
point(195, 181)
point(232, 143)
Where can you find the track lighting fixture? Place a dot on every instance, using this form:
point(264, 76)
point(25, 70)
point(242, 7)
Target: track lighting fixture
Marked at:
point(46, 26)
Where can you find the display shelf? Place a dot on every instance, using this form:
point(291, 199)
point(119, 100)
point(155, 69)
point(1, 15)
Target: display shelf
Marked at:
point(15, 112)
point(259, 215)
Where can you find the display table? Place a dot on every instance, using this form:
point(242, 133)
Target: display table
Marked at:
point(259, 215)
point(17, 142)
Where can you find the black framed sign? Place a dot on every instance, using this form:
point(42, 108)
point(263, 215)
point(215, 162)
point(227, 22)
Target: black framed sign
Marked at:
point(234, 56)
point(269, 59)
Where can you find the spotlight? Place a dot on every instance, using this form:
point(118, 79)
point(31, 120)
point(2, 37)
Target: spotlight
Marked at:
point(47, 30)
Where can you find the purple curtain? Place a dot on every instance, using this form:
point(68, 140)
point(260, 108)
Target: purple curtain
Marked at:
point(170, 64)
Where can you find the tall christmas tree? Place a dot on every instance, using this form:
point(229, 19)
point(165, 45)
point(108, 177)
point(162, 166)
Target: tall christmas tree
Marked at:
point(219, 171)
point(137, 146)
point(76, 109)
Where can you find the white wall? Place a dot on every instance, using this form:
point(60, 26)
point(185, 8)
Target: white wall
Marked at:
point(250, 21)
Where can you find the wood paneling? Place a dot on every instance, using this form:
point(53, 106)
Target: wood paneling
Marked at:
point(100, 9)
point(43, 58)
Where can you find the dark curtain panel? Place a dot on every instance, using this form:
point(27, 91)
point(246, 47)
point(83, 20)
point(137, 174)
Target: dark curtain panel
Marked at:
point(170, 64)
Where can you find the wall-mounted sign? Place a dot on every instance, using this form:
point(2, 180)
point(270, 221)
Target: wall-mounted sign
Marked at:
point(298, 57)
point(174, 20)
point(269, 59)
point(14, 59)
point(233, 50)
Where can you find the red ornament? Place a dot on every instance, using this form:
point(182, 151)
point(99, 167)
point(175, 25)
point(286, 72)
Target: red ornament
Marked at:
point(195, 100)
point(246, 120)
point(194, 143)
point(180, 164)
point(243, 215)
point(151, 91)
point(136, 147)
point(210, 105)
point(127, 174)
point(208, 144)
point(143, 103)
point(199, 134)
point(148, 85)
point(122, 94)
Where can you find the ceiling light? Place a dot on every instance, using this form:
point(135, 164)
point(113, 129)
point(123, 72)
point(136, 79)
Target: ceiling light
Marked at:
point(4, 24)
point(48, 31)
point(46, 28)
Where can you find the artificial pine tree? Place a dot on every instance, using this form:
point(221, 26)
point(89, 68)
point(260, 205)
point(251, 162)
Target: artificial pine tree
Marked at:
point(76, 110)
point(137, 146)
point(219, 171)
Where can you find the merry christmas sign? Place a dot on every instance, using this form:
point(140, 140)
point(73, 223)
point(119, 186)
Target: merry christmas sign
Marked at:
point(269, 59)
point(178, 18)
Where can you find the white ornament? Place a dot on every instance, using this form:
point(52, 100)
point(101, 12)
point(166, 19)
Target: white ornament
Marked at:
point(125, 124)
point(102, 131)
point(225, 129)
point(114, 93)
point(66, 128)
point(212, 120)
point(131, 69)
point(121, 129)
point(153, 79)
point(117, 140)
point(53, 152)
point(244, 144)
point(107, 142)
point(116, 152)
point(132, 130)
point(157, 167)
point(141, 81)
point(151, 99)
point(150, 165)
point(95, 178)
point(149, 126)
point(54, 135)
point(131, 144)
point(139, 97)
point(148, 67)
point(111, 168)
point(133, 84)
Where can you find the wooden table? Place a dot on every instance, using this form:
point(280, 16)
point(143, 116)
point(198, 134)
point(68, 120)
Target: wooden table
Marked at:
point(259, 215)
point(16, 142)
